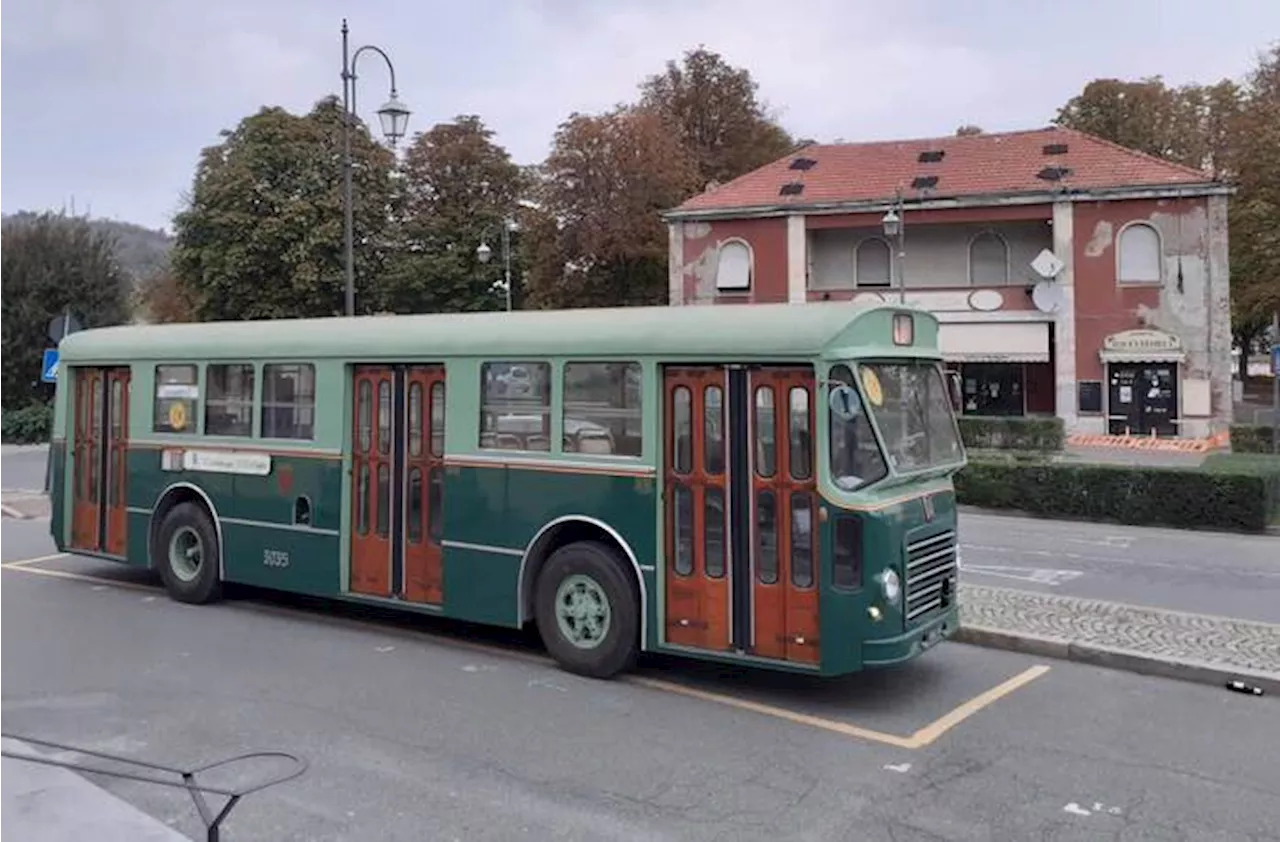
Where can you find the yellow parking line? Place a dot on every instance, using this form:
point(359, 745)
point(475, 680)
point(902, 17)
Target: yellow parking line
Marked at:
point(920, 739)
point(26, 561)
point(834, 725)
point(80, 577)
point(947, 721)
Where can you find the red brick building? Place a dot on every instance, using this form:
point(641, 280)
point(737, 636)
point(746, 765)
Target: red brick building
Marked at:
point(1072, 276)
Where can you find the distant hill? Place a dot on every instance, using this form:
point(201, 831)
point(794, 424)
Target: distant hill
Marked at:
point(141, 251)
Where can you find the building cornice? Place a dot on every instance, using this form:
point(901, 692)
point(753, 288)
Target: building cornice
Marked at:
point(1048, 197)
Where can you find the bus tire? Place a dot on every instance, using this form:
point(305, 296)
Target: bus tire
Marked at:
point(587, 610)
point(187, 555)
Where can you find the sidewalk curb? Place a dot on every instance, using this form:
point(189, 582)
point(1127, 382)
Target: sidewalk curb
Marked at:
point(1127, 660)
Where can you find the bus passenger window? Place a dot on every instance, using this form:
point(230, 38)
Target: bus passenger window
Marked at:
point(515, 406)
point(602, 408)
point(228, 403)
point(288, 401)
point(177, 394)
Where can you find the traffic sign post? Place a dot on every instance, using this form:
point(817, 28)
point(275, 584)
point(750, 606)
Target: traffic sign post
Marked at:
point(49, 366)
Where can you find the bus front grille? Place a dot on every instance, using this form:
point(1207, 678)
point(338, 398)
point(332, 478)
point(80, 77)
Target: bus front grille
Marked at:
point(931, 575)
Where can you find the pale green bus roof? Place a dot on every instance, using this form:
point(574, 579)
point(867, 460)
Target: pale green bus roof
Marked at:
point(745, 331)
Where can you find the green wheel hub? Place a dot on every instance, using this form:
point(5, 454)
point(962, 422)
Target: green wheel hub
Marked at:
point(186, 553)
point(582, 611)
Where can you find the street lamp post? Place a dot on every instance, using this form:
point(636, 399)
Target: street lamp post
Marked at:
point(394, 118)
point(483, 253)
point(894, 226)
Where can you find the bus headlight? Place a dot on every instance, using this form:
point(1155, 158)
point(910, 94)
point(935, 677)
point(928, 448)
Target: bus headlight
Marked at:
point(891, 585)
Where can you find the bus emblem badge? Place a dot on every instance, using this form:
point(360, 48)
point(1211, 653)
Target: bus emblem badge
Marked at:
point(928, 508)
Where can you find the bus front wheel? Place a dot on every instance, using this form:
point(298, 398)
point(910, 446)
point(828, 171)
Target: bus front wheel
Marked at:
point(187, 553)
point(587, 610)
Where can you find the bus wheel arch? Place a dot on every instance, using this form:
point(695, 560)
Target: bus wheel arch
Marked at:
point(185, 517)
point(586, 537)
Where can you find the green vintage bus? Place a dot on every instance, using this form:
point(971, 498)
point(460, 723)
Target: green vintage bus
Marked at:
point(765, 484)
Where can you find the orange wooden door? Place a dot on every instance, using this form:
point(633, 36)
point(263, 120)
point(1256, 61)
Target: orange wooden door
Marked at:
point(373, 431)
point(424, 483)
point(87, 459)
point(784, 532)
point(117, 451)
point(697, 533)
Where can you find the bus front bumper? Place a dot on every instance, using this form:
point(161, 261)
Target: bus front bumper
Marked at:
point(896, 650)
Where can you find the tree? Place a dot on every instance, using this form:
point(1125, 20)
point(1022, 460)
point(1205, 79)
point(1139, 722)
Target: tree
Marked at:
point(968, 130)
point(458, 187)
point(1187, 125)
point(52, 264)
point(714, 106)
point(1255, 209)
point(163, 297)
point(605, 182)
point(262, 234)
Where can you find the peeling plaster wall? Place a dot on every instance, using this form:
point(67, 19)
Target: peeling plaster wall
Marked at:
point(698, 254)
point(1193, 234)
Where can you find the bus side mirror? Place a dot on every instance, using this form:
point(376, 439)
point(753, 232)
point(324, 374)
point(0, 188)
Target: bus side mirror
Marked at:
point(953, 385)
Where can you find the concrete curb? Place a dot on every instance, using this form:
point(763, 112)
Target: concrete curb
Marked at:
point(1116, 658)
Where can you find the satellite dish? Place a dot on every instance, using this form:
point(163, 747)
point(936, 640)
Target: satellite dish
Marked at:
point(1047, 296)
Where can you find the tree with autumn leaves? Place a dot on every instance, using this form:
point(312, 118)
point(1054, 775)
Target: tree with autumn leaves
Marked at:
point(261, 235)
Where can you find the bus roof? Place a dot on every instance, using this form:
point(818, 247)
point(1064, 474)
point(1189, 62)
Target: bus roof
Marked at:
point(754, 330)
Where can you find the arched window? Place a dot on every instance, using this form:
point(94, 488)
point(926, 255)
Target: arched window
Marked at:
point(733, 267)
point(873, 263)
point(1138, 254)
point(988, 260)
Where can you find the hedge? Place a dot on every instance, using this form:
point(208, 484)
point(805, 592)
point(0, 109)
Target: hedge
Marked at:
point(1251, 438)
point(1233, 498)
point(30, 425)
point(1011, 432)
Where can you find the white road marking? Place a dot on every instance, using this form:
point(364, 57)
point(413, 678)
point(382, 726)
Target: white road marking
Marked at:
point(901, 768)
point(1037, 575)
point(1076, 809)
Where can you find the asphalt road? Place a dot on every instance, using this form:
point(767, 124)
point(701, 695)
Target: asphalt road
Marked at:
point(22, 467)
point(1201, 572)
point(411, 733)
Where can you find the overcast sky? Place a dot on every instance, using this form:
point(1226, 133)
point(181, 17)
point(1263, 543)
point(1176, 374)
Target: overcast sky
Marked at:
point(110, 101)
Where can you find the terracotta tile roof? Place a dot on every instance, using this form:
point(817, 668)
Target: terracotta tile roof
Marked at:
point(976, 165)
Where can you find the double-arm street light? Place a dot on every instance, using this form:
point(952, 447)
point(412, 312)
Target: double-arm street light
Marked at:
point(893, 228)
point(484, 253)
point(394, 118)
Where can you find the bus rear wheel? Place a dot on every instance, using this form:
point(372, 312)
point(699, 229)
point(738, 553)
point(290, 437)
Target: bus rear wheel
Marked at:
point(187, 554)
point(587, 610)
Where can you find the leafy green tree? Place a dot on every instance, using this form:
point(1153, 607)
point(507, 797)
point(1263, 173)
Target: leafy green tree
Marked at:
point(262, 234)
point(52, 264)
point(727, 130)
point(457, 189)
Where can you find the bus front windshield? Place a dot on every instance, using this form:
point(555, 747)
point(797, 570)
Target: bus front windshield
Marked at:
point(911, 406)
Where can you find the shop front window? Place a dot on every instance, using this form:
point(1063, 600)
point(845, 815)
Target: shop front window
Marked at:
point(993, 388)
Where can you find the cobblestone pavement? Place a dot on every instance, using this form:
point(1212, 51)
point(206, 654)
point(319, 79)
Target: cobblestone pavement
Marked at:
point(1239, 644)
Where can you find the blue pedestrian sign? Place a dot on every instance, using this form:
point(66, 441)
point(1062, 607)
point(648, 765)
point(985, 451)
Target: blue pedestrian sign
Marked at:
point(1275, 360)
point(49, 368)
